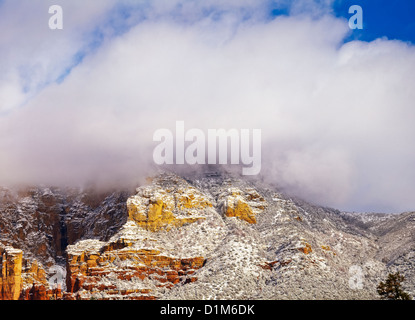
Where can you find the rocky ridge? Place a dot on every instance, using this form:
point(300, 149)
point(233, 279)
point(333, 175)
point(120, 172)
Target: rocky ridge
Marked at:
point(203, 237)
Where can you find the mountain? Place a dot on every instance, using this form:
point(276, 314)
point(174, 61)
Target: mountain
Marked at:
point(205, 236)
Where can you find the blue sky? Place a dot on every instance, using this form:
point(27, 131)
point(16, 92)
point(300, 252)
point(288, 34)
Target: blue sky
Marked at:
point(394, 19)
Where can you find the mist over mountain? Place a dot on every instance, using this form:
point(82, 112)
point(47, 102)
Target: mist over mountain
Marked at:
point(82, 104)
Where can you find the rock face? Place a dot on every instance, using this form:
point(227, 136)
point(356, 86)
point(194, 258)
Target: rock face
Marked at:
point(244, 205)
point(23, 279)
point(41, 222)
point(156, 207)
point(200, 237)
point(37, 284)
point(11, 273)
point(139, 262)
point(125, 269)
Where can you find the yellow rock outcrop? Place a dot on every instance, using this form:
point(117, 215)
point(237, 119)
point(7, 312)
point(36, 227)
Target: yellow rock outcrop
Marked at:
point(240, 209)
point(243, 204)
point(154, 207)
point(306, 249)
point(11, 273)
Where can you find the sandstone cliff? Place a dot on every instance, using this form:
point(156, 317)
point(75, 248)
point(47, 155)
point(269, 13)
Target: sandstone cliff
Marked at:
point(204, 237)
point(11, 273)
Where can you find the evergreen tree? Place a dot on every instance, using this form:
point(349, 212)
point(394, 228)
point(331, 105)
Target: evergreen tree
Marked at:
point(391, 289)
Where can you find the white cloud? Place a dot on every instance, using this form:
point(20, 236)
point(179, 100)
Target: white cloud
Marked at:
point(336, 118)
point(32, 55)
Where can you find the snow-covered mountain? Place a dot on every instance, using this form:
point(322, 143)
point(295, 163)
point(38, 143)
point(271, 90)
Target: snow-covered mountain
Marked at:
point(208, 236)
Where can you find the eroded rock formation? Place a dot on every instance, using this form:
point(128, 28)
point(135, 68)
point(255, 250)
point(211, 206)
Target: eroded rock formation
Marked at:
point(155, 207)
point(243, 204)
point(11, 273)
point(125, 268)
point(209, 237)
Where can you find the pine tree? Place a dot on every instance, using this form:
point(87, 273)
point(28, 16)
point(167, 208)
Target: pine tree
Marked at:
point(391, 289)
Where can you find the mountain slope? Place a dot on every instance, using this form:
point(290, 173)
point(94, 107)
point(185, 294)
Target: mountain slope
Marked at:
point(201, 237)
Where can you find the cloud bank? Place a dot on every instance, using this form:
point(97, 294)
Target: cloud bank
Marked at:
point(82, 105)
